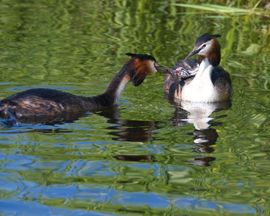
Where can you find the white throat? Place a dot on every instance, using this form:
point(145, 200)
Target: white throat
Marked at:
point(121, 87)
point(204, 71)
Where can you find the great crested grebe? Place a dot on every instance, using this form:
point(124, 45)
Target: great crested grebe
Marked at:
point(211, 82)
point(48, 106)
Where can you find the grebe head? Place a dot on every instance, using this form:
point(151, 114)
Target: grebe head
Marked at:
point(207, 46)
point(142, 65)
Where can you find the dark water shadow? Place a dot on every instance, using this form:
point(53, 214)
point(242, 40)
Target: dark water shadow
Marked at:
point(130, 131)
point(125, 129)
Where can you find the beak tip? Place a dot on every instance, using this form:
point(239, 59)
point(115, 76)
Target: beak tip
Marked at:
point(162, 69)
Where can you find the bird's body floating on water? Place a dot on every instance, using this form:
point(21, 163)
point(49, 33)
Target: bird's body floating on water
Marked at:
point(48, 106)
point(205, 81)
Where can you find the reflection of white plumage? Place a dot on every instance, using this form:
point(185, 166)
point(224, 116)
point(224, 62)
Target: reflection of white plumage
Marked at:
point(199, 113)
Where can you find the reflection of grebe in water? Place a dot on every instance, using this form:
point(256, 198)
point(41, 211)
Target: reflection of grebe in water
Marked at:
point(49, 106)
point(129, 130)
point(197, 114)
point(204, 134)
point(126, 129)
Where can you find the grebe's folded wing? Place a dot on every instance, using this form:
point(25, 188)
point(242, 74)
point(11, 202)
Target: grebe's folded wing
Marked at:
point(186, 68)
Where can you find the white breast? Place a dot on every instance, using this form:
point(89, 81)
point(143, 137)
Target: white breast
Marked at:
point(201, 88)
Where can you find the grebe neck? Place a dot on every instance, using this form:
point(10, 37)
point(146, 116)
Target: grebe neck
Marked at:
point(115, 88)
point(118, 83)
point(204, 69)
point(214, 54)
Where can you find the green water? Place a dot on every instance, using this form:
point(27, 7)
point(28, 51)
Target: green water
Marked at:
point(146, 157)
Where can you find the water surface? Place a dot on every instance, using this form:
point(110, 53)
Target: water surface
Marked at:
point(145, 156)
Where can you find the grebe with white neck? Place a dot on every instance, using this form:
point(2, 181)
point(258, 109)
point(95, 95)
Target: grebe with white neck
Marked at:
point(211, 82)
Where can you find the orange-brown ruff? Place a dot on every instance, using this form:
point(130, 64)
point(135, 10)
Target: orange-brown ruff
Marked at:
point(51, 106)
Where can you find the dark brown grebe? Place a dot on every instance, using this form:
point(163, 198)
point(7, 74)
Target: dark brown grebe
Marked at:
point(51, 106)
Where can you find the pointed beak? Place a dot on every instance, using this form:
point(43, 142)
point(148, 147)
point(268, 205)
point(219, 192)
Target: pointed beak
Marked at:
point(193, 52)
point(162, 69)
